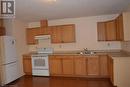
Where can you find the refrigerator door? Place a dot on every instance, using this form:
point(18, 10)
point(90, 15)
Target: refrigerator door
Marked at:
point(9, 73)
point(9, 50)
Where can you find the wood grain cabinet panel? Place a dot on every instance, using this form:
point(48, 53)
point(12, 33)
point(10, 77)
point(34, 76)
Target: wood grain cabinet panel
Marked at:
point(119, 25)
point(30, 35)
point(2, 28)
point(101, 31)
point(68, 33)
point(68, 65)
point(1, 23)
point(55, 65)
point(2, 31)
point(80, 65)
point(93, 65)
point(56, 34)
point(63, 33)
point(27, 65)
point(111, 69)
point(111, 30)
point(104, 65)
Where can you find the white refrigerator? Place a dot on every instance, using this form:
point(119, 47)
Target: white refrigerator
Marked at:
point(8, 60)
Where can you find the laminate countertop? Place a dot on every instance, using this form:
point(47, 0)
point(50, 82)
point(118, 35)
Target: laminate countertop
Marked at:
point(112, 53)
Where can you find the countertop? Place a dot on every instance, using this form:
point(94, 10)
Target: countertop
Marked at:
point(112, 53)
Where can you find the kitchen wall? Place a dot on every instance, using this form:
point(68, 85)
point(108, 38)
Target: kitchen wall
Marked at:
point(86, 34)
point(126, 46)
point(16, 28)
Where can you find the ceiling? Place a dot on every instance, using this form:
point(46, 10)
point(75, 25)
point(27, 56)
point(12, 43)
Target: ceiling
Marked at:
point(35, 10)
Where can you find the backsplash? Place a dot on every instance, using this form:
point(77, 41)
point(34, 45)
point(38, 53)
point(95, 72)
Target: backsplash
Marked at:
point(126, 46)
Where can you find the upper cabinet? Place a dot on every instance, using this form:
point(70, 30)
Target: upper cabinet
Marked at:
point(30, 35)
point(59, 33)
point(115, 30)
point(126, 25)
point(111, 30)
point(107, 31)
point(2, 29)
point(63, 33)
point(1, 23)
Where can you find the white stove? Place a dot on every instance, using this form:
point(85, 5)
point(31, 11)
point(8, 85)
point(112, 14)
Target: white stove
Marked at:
point(40, 66)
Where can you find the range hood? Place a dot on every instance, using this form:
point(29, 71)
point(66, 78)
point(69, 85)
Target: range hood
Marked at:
point(43, 37)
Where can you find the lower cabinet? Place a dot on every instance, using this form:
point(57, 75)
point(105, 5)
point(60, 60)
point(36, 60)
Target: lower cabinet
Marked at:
point(68, 65)
point(27, 65)
point(78, 66)
point(55, 65)
point(93, 65)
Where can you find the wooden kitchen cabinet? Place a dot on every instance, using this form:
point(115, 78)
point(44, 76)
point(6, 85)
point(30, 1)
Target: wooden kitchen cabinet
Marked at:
point(68, 33)
point(68, 65)
point(101, 31)
point(2, 28)
point(111, 30)
point(93, 66)
point(107, 31)
point(27, 65)
point(30, 35)
point(63, 33)
point(1, 23)
point(104, 67)
point(111, 68)
point(119, 27)
point(55, 64)
point(80, 65)
point(2, 31)
point(126, 25)
point(56, 35)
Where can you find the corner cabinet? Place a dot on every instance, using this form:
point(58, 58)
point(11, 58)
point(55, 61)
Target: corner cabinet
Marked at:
point(107, 31)
point(27, 65)
point(115, 30)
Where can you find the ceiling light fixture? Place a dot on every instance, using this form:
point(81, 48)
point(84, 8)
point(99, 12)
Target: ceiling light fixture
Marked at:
point(51, 0)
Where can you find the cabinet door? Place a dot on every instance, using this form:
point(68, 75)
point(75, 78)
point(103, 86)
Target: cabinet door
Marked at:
point(126, 25)
point(119, 25)
point(1, 23)
point(55, 65)
point(27, 65)
point(56, 34)
point(2, 31)
point(93, 65)
point(101, 29)
point(104, 65)
point(80, 65)
point(111, 69)
point(31, 33)
point(68, 65)
point(68, 33)
point(111, 30)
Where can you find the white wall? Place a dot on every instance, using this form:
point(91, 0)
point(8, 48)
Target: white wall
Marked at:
point(86, 34)
point(16, 29)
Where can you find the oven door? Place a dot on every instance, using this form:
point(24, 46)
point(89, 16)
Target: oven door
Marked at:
point(40, 62)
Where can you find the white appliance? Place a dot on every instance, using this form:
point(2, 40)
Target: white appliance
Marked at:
point(43, 37)
point(40, 66)
point(8, 60)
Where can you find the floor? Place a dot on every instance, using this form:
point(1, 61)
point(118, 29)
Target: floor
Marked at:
point(59, 82)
